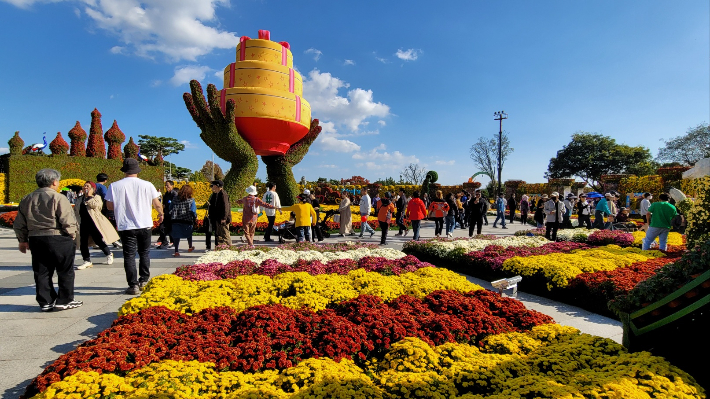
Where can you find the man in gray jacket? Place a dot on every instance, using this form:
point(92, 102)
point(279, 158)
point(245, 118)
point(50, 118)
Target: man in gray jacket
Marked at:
point(555, 211)
point(46, 225)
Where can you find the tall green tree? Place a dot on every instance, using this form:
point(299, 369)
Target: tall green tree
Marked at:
point(151, 146)
point(591, 155)
point(689, 148)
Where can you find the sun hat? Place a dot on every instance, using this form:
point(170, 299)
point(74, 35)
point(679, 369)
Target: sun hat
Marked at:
point(251, 190)
point(130, 166)
point(544, 196)
point(555, 194)
point(583, 195)
point(607, 194)
point(307, 192)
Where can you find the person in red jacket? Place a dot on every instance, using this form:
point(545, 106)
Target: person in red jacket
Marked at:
point(416, 211)
point(385, 211)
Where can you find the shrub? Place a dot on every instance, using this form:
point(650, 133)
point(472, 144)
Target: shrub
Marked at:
point(96, 147)
point(58, 146)
point(77, 135)
point(16, 144)
point(114, 136)
point(130, 150)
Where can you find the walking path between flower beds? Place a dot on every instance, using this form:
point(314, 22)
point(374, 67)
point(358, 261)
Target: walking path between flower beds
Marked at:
point(30, 339)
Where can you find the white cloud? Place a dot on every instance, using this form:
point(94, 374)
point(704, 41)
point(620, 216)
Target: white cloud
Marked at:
point(188, 144)
point(156, 83)
point(391, 161)
point(110, 97)
point(408, 55)
point(183, 74)
point(382, 123)
point(330, 143)
point(321, 91)
point(382, 146)
point(4, 150)
point(77, 12)
point(316, 53)
point(382, 60)
point(219, 74)
point(451, 162)
point(349, 62)
point(117, 50)
point(328, 166)
point(177, 29)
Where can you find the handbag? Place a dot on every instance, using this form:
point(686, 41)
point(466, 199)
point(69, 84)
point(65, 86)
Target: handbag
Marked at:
point(363, 219)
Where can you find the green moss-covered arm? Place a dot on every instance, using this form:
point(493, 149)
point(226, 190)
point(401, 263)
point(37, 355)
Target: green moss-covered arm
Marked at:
point(279, 168)
point(220, 134)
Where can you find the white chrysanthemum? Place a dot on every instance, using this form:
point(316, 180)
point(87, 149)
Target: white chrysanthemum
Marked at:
point(290, 257)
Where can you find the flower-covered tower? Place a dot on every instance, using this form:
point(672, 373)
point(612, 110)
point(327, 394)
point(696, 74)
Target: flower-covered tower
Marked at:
point(77, 135)
point(96, 147)
point(59, 146)
point(115, 137)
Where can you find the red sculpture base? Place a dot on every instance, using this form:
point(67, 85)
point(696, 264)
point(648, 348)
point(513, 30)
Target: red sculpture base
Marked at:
point(269, 136)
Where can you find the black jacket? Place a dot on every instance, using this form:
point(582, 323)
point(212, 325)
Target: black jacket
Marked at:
point(219, 208)
point(476, 210)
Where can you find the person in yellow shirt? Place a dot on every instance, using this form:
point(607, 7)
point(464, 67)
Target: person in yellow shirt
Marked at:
point(305, 217)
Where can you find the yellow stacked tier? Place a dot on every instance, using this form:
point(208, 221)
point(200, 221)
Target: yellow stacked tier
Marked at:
point(265, 51)
point(263, 74)
point(268, 103)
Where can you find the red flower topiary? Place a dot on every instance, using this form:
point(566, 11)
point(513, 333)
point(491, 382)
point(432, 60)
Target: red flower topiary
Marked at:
point(130, 150)
point(77, 135)
point(114, 136)
point(16, 143)
point(58, 146)
point(96, 147)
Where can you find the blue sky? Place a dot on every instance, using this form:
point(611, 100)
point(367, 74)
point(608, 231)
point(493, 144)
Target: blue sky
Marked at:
point(392, 82)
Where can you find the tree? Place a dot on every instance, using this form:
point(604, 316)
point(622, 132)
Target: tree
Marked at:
point(210, 173)
point(413, 174)
point(389, 181)
point(152, 146)
point(176, 172)
point(591, 155)
point(484, 154)
point(687, 149)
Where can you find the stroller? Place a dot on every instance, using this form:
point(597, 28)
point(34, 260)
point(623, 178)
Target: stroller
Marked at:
point(288, 230)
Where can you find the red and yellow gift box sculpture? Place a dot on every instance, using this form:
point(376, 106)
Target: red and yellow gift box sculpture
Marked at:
point(271, 113)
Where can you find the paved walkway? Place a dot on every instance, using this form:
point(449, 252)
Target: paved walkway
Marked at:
point(31, 340)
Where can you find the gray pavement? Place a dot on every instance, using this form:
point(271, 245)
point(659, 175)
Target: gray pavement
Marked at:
point(31, 340)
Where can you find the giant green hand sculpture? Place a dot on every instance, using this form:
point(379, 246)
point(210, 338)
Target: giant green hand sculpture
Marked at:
point(279, 167)
point(220, 134)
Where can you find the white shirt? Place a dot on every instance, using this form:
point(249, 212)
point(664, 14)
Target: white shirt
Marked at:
point(365, 205)
point(271, 198)
point(132, 203)
point(643, 208)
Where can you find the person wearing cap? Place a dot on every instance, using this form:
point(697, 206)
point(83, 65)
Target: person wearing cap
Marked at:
point(569, 206)
point(46, 226)
point(555, 211)
point(250, 209)
point(305, 217)
point(540, 211)
point(130, 199)
point(601, 211)
point(93, 226)
point(385, 209)
point(219, 214)
point(584, 212)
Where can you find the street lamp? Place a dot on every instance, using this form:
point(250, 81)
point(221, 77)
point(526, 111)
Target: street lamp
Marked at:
point(499, 116)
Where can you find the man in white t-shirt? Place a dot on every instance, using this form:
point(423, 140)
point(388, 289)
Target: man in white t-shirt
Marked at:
point(130, 199)
point(271, 198)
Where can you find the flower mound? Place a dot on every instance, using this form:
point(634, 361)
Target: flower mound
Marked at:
point(493, 256)
point(607, 237)
point(548, 361)
point(290, 257)
point(277, 337)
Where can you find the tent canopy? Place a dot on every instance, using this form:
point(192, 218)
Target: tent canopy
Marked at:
point(594, 194)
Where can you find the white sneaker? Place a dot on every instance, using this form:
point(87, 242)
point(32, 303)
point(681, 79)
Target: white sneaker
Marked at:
point(109, 259)
point(84, 265)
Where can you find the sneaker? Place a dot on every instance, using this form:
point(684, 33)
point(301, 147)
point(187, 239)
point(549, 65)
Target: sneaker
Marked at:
point(157, 244)
point(70, 305)
point(160, 247)
point(406, 232)
point(372, 234)
point(142, 284)
point(505, 227)
point(398, 235)
point(117, 244)
point(495, 227)
point(176, 254)
point(133, 290)
point(84, 265)
point(109, 259)
point(47, 308)
point(191, 249)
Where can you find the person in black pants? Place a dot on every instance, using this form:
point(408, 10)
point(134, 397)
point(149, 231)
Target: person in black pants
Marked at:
point(555, 210)
point(45, 225)
point(401, 205)
point(166, 227)
point(475, 209)
point(512, 206)
point(317, 230)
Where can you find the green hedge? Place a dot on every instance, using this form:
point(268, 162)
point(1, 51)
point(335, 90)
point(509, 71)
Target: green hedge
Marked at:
point(21, 170)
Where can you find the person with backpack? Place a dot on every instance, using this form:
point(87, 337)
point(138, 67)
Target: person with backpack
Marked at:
point(270, 197)
point(364, 214)
point(385, 210)
point(401, 205)
point(183, 213)
point(250, 209)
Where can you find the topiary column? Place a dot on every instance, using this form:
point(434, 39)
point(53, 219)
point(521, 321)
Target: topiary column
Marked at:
point(130, 150)
point(114, 136)
point(279, 168)
point(77, 135)
point(96, 147)
point(16, 144)
point(698, 230)
point(59, 146)
point(220, 134)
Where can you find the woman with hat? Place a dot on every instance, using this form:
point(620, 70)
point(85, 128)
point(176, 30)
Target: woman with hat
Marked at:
point(305, 217)
point(250, 210)
point(219, 214)
point(584, 212)
point(540, 212)
point(93, 226)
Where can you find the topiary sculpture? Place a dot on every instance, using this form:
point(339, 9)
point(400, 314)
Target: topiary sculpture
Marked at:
point(96, 147)
point(114, 136)
point(16, 144)
point(77, 135)
point(130, 150)
point(431, 177)
point(59, 146)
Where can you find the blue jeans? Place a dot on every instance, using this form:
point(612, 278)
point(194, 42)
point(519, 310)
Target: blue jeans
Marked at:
point(651, 235)
point(415, 227)
point(304, 233)
point(450, 224)
point(500, 216)
point(365, 227)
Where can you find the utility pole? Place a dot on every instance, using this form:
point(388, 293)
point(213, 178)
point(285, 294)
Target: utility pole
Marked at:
point(499, 116)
